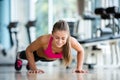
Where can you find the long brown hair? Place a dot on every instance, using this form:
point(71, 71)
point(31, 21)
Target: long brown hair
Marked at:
point(62, 25)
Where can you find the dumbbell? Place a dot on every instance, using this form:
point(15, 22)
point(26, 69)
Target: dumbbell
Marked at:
point(112, 10)
point(100, 11)
point(105, 16)
point(117, 15)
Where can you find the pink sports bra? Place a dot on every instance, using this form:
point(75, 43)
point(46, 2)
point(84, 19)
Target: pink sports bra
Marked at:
point(49, 52)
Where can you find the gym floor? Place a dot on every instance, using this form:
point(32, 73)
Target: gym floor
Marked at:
point(58, 73)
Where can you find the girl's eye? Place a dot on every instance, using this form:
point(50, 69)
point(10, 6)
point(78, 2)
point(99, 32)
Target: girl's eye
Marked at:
point(59, 38)
point(56, 37)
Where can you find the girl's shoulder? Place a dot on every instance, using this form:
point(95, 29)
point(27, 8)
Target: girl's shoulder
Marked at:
point(44, 38)
point(73, 41)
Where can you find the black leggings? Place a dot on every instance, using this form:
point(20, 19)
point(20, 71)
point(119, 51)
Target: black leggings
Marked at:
point(36, 57)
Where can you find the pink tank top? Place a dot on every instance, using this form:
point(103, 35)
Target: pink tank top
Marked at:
point(49, 52)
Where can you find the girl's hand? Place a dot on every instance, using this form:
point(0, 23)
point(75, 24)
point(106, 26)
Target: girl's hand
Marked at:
point(80, 71)
point(36, 71)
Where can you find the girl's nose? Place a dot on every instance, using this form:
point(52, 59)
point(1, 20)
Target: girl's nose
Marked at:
point(60, 41)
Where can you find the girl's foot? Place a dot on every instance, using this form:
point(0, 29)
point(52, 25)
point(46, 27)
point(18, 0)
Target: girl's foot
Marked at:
point(18, 64)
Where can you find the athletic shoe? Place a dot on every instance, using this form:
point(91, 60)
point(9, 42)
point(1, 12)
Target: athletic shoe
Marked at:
point(18, 64)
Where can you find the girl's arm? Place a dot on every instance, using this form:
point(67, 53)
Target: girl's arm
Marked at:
point(80, 54)
point(30, 49)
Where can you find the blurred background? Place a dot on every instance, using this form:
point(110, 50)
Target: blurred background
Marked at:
point(22, 21)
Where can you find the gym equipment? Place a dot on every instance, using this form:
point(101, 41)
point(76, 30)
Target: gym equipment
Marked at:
point(28, 26)
point(103, 32)
point(105, 16)
point(12, 30)
point(109, 13)
point(100, 11)
point(112, 10)
point(117, 15)
point(114, 56)
point(2, 50)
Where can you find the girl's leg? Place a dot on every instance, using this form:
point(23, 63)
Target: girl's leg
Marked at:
point(22, 55)
point(36, 57)
point(18, 62)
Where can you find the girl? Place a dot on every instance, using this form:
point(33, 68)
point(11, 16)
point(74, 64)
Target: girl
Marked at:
point(51, 47)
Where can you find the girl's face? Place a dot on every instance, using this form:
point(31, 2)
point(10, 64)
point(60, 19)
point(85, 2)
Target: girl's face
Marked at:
point(60, 38)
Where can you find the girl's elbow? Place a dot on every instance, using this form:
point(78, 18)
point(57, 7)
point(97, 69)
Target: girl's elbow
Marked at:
point(81, 52)
point(28, 50)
